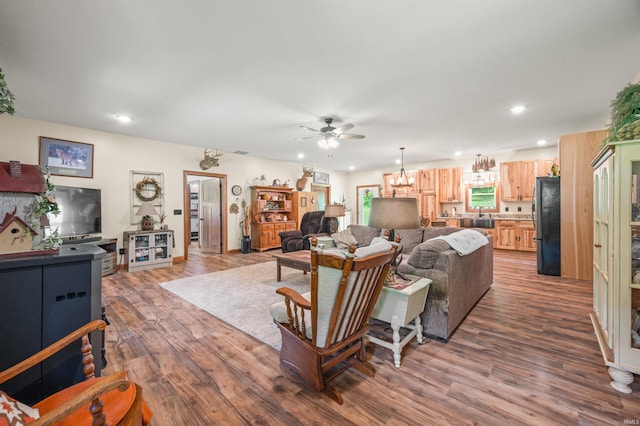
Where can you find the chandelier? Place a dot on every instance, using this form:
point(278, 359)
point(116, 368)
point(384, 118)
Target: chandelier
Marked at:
point(483, 164)
point(403, 180)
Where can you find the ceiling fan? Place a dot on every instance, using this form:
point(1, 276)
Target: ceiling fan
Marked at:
point(328, 136)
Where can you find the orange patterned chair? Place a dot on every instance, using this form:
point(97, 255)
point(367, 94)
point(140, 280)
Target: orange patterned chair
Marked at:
point(112, 398)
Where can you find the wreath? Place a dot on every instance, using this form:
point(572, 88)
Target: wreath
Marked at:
point(146, 183)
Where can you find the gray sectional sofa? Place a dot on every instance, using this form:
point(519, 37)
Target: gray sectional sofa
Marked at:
point(458, 282)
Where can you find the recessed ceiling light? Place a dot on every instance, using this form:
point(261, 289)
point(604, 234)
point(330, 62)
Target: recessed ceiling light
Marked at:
point(397, 161)
point(123, 118)
point(300, 156)
point(518, 109)
point(457, 153)
point(542, 142)
point(352, 168)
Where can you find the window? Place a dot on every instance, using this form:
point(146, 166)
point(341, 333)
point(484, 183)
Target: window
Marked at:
point(485, 197)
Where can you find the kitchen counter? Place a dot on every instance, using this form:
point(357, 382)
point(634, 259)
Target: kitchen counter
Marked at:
point(496, 216)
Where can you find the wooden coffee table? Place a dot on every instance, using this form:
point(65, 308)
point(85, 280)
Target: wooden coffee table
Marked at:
point(300, 260)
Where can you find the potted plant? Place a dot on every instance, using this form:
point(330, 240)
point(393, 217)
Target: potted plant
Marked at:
point(245, 225)
point(6, 97)
point(625, 115)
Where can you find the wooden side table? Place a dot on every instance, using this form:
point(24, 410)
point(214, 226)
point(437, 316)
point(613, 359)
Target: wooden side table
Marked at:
point(400, 307)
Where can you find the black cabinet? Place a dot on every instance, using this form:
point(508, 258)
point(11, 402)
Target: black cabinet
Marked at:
point(41, 300)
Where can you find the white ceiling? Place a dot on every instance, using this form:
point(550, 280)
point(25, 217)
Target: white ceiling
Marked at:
point(432, 76)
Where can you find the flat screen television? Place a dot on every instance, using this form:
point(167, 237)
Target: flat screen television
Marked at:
point(80, 217)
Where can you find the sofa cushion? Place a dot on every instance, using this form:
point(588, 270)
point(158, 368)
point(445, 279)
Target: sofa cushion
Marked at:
point(434, 231)
point(410, 238)
point(364, 234)
point(425, 254)
point(344, 239)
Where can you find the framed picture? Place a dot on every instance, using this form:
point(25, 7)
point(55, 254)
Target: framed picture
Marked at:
point(321, 178)
point(66, 158)
point(365, 193)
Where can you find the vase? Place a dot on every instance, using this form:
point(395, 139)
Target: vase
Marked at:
point(246, 244)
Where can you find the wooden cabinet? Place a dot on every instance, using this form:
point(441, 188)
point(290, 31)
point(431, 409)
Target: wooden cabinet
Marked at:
point(517, 180)
point(576, 211)
point(268, 234)
point(428, 206)
point(616, 260)
point(526, 236)
point(514, 235)
point(427, 181)
point(110, 260)
point(453, 223)
point(388, 179)
point(450, 183)
point(271, 210)
point(543, 168)
point(148, 249)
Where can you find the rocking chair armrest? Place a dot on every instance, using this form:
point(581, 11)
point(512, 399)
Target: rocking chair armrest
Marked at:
point(295, 297)
point(101, 386)
point(45, 353)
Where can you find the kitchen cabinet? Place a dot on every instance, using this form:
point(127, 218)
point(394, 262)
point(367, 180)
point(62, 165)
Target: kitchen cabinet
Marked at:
point(428, 206)
point(148, 249)
point(427, 181)
point(616, 260)
point(271, 208)
point(388, 179)
point(450, 183)
point(517, 180)
point(514, 235)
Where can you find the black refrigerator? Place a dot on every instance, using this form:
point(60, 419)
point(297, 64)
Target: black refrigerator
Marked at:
point(546, 219)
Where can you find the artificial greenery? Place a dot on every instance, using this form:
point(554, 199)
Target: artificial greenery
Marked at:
point(6, 97)
point(44, 204)
point(625, 115)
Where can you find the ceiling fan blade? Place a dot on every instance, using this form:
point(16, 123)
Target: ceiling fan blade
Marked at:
point(308, 137)
point(350, 136)
point(309, 128)
point(343, 129)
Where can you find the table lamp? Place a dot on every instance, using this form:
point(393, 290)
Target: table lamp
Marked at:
point(332, 212)
point(394, 213)
point(147, 210)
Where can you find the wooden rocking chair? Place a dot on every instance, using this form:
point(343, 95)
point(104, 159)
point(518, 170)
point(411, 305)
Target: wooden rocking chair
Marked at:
point(323, 331)
point(114, 398)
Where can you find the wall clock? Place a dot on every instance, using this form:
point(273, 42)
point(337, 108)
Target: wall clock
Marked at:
point(236, 190)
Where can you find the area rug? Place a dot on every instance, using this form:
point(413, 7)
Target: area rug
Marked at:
point(242, 296)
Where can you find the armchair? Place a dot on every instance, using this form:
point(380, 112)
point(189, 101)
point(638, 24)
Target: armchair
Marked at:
point(114, 398)
point(312, 223)
point(323, 330)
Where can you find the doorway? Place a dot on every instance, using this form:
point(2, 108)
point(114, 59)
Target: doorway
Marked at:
point(205, 216)
point(323, 193)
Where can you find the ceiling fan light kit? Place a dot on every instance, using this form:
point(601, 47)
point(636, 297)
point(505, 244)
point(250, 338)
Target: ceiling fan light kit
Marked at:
point(328, 136)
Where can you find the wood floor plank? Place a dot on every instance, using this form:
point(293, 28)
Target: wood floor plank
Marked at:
point(526, 354)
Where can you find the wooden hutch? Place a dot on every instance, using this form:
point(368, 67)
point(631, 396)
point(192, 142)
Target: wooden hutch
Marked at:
point(271, 209)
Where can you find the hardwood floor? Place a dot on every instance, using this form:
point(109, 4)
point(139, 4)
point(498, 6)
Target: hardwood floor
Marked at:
point(526, 354)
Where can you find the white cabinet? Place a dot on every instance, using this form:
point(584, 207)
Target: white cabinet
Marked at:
point(148, 249)
point(616, 260)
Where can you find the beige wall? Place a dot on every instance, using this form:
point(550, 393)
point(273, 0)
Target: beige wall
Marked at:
point(116, 155)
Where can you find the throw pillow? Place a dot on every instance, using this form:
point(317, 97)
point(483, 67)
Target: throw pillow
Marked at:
point(344, 239)
point(409, 238)
point(426, 254)
point(14, 413)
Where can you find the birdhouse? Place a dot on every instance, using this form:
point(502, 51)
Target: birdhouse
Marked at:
point(15, 234)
